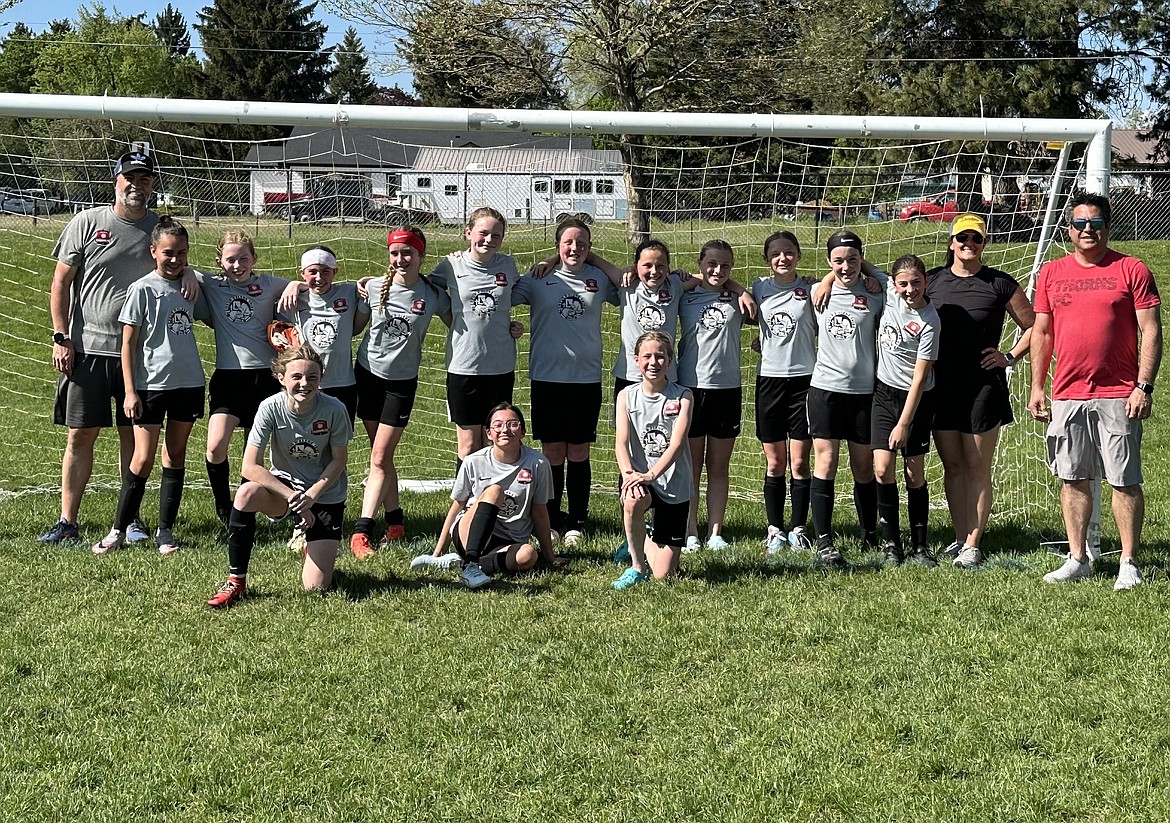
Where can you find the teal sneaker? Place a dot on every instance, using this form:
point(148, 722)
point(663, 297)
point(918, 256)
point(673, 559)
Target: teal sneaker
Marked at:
point(630, 577)
point(622, 553)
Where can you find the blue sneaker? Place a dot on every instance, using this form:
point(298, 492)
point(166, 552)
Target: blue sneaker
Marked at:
point(62, 532)
point(136, 532)
point(799, 541)
point(629, 578)
point(776, 541)
point(622, 553)
point(717, 543)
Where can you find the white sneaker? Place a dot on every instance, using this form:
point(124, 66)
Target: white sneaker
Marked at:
point(969, 558)
point(692, 545)
point(1072, 569)
point(1128, 576)
point(165, 540)
point(444, 561)
point(114, 540)
point(298, 541)
point(573, 537)
point(775, 541)
point(473, 577)
point(799, 541)
point(716, 543)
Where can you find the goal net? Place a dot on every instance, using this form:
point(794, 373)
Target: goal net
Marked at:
point(344, 185)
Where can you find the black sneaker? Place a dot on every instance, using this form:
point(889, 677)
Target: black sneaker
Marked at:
point(827, 553)
point(893, 553)
point(62, 532)
point(924, 558)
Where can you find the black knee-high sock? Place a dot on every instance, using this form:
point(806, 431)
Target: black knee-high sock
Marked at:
point(887, 506)
point(395, 517)
point(774, 500)
point(483, 521)
point(865, 500)
point(555, 511)
point(170, 495)
point(800, 498)
point(821, 496)
point(129, 499)
point(578, 484)
point(918, 510)
point(241, 538)
point(219, 475)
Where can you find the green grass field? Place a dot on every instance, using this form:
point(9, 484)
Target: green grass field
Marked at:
point(752, 689)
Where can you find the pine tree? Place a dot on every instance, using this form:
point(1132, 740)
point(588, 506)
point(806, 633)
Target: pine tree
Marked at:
point(171, 28)
point(351, 81)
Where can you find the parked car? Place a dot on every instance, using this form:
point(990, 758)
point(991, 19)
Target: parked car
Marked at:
point(44, 201)
point(15, 204)
point(938, 208)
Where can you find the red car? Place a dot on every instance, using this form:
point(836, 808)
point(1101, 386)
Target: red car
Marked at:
point(940, 207)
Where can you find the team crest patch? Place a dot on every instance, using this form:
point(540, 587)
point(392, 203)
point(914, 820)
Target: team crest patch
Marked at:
point(418, 306)
point(254, 290)
point(102, 237)
point(664, 295)
point(672, 408)
point(524, 476)
point(501, 279)
point(913, 328)
point(800, 294)
point(861, 302)
point(725, 296)
point(320, 427)
point(341, 305)
point(591, 285)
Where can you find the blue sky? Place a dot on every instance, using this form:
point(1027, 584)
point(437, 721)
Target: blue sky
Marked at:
point(37, 14)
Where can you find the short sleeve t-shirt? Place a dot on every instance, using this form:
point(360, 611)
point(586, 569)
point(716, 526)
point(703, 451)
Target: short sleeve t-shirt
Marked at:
point(393, 344)
point(971, 310)
point(788, 327)
point(526, 482)
point(168, 354)
point(710, 322)
point(566, 323)
point(325, 322)
point(644, 310)
point(110, 254)
point(241, 313)
point(653, 419)
point(905, 336)
point(1094, 323)
point(303, 444)
point(847, 352)
point(479, 341)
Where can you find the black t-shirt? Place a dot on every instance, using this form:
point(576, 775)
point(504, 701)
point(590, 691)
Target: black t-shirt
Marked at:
point(971, 313)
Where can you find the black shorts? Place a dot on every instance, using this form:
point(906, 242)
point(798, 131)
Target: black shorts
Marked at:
point(888, 403)
point(177, 405)
point(974, 407)
point(239, 392)
point(471, 396)
point(670, 520)
point(83, 397)
point(327, 517)
point(348, 397)
point(782, 408)
point(565, 412)
point(716, 413)
point(390, 402)
point(839, 416)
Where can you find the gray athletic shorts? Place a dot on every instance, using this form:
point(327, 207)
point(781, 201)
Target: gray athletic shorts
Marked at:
point(1094, 438)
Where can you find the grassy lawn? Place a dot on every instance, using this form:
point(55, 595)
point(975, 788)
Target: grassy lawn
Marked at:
point(752, 689)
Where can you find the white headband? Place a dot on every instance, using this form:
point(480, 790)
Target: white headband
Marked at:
point(318, 256)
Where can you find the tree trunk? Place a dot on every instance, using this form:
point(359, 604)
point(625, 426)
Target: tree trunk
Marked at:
point(637, 189)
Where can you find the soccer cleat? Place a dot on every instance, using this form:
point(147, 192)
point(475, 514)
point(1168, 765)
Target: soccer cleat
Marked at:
point(165, 540)
point(229, 594)
point(924, 558)
point(136, 532)
point(473, 577)
point(395, 532)
point(629, 578)
point(827, 553)
point(692, 545)
point(573, 537)
point(799, 541)
point(622, 553)
point(893, 553)
point(716, 543)
point(430, 561)
point(360, 545)
point(952, 551)
point(62, 532)
point(114, 540)
point(969, 558)
point(775, 541)
point(1071, 570)
point(298, 541)
point(1128, 576)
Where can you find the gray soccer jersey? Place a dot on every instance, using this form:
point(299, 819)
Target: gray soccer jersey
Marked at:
point(110, 254)
point(241, 313)
point(788, 327)
point(565, 344)
point(392, 346)
point(526, 482)
point(847, 356)
point(906, 336)
point(168, 355)
point(303, 444)
point(479, 342)
point(653, 418)
point(646, 310)
point(325, 322)
point(709, 340)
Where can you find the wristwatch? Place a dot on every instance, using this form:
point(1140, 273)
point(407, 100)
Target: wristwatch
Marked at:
point(1010, 358)
point(60, 338)
point(1148, 388)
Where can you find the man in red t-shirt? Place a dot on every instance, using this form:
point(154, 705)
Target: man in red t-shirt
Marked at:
point(1097, 310)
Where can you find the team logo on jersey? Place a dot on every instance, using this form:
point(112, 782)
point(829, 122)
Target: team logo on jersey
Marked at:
point(651, 318)
point(418, 306)
point(179, 322)
point(591, 285)
point(861, 302)
point(302, 449)
point(320, 427)
point(397, 328)
point(341, 305)
point(501, 278)
point(913, 328)
point(841, 327)
point(800, 293)
point(654, 442)
point(511, 506)
point(725, 296)
point(672, 408)
point(322, 334)
point(102, 237)
point(571, 307)
point(484, 303)
point(524, 476)
point(239, 310)
point(255, 290)
point(888, 337)
point(664, 295)
point(781, 325)
point(713, 318)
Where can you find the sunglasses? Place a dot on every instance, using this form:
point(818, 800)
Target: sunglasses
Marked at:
point(970, 237)
point(1094, 223)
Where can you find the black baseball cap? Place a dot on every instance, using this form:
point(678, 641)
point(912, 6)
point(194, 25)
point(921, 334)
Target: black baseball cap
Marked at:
point(134, 161)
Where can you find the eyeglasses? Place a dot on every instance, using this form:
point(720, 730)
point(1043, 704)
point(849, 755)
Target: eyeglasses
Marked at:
point(970, 237)
point(1094, 223)
point(510, 425)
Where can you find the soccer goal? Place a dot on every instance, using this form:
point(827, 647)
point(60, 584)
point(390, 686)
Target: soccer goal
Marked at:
point(346, 173)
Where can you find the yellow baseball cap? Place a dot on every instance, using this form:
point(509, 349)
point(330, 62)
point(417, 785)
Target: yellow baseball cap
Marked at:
point(968, 222)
